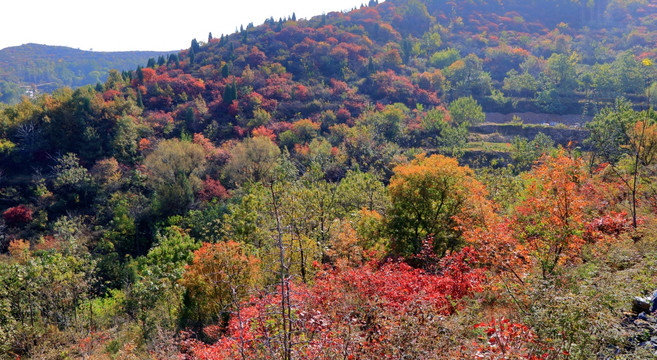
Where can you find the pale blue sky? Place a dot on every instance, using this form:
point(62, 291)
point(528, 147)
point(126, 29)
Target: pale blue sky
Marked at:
point(118, 25)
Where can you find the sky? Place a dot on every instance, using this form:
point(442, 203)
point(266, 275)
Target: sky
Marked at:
point(123, 25)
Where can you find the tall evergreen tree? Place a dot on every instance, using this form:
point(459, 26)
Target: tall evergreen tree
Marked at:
point(151, 63)
point(140, 74)
point(195, 46)
point(140, 101)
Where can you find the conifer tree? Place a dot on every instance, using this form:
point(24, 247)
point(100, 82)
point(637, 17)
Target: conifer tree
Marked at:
point(140, 74)
point(195, 46)
point(140, 101)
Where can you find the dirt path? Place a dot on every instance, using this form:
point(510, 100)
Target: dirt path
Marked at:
point(536, 118)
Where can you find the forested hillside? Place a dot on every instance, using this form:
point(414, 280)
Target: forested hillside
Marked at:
point(342, 187)
point(46, 68)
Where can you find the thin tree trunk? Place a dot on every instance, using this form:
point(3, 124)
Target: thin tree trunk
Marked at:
point(285, 291)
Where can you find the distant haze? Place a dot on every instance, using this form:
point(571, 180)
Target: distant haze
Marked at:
point(122, 25)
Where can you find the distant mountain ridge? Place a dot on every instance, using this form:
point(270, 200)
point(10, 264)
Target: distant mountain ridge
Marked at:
point(51, 67)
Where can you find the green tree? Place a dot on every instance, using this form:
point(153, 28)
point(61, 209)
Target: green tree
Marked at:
point(468, 77)
point(156, 290)
point(561, 73)
point(124, 143)
point(627, 140)
point(72, 181)
point(175, 169)
point(253, 160)
point(629, 74)
point(426, 196)
point(219, 278)
point(467, 111)
point(524, 154)
point(520, 84)
point(444, 58)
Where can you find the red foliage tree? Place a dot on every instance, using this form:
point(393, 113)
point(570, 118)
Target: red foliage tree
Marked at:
point(551, 219)
point(263, 131)
point(507, 340)
point(342, 314)
point(17, 215)
point(212, 189)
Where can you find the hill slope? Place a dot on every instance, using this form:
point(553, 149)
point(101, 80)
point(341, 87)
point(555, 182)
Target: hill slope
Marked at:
point(52, 67)
point(298, 190)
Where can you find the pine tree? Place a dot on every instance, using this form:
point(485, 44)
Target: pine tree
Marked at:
point(195, 46)
point(140, 101)
point(161, 60)
point(370, 66)
point(294, 17)
point(140, 74)
point(224, 71)
point(209, 37)
point(228, 95)
point(151, 63)
point(173, 58)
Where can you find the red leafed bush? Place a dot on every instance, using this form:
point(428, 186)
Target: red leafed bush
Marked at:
point(507, 340)
point(212, 189)
point(263, 131)
point(110, 94)
point(358, 311)
point(343, 114)
point(16, 215)
point(612, 224)
point(144, 144)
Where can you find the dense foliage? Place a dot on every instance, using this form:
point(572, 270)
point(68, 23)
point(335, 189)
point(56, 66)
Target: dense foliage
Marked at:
point(328, 188)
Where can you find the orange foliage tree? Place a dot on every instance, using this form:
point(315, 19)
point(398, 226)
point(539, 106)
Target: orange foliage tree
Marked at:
point(551, 218)
point(218, 279)
point(427, 195)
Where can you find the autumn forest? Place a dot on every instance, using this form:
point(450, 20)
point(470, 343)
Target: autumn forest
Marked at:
point(411, 179)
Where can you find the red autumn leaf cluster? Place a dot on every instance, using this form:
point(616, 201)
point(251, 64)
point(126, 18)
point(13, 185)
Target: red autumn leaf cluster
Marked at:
point(17, 215)
point(353, 311)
